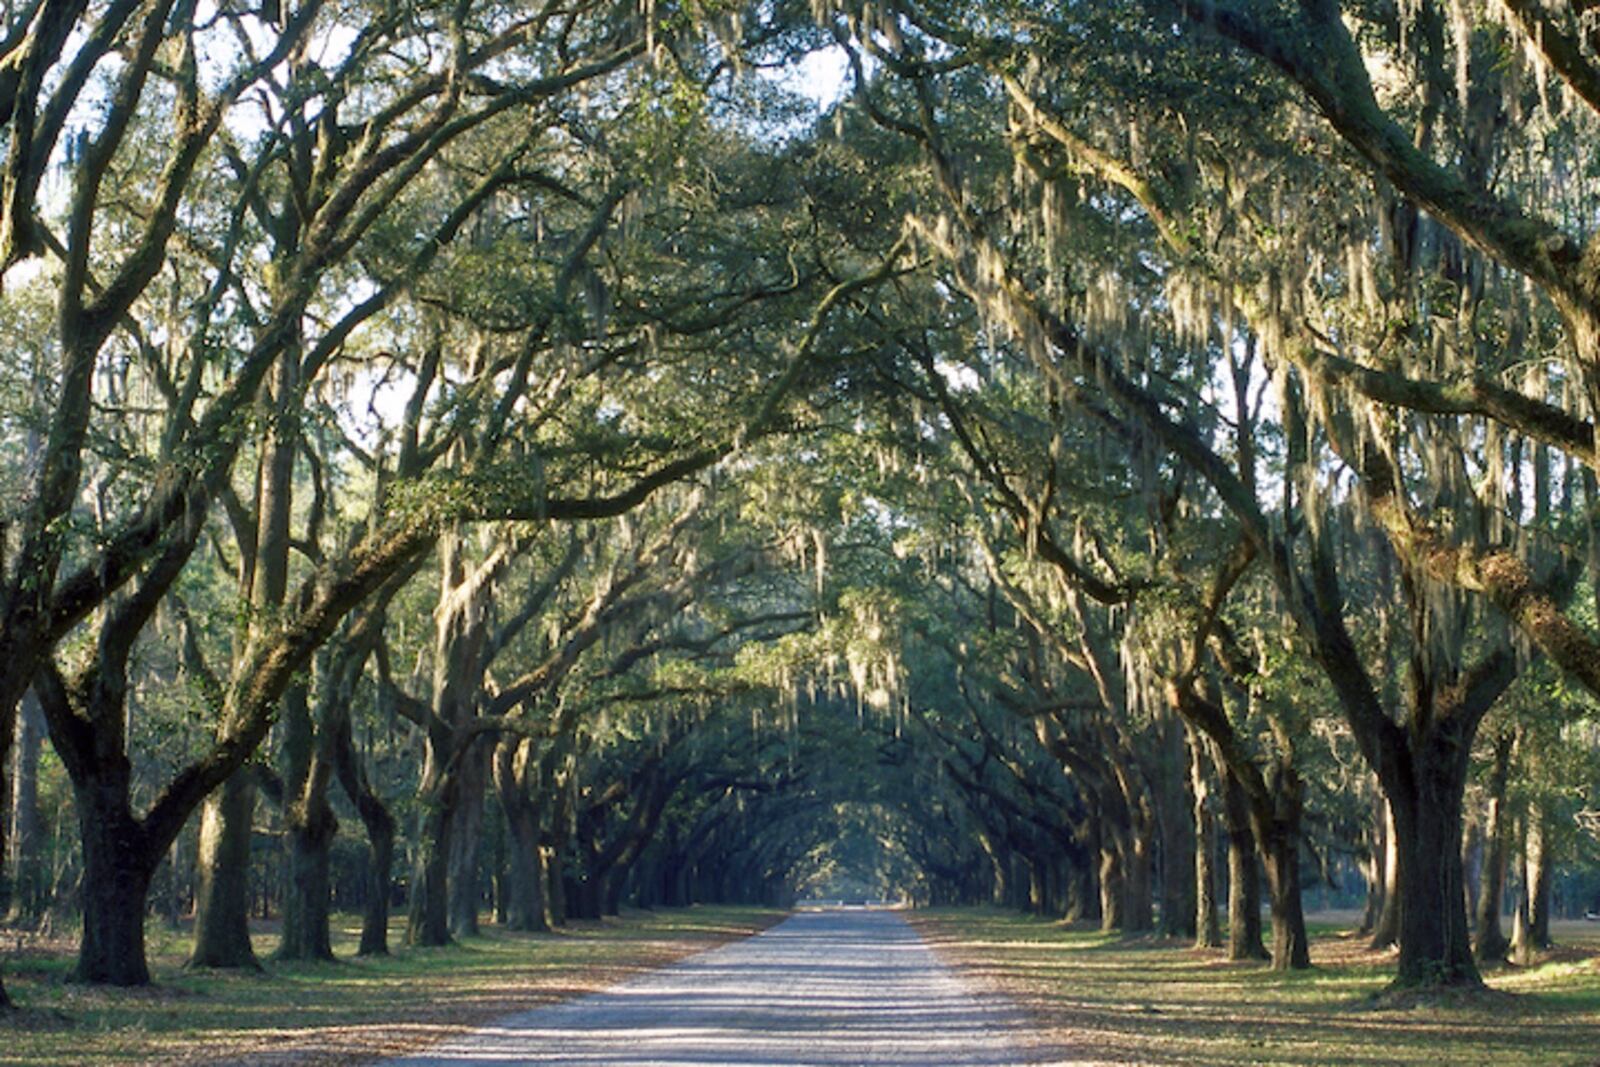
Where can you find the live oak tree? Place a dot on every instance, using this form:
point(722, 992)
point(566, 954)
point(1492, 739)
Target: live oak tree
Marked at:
point(196, 436)
point(1178, 187)
point(343, 181)
point(1089, 442)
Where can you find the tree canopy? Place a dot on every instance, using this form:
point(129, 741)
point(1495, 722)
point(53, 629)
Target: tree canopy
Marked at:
point(1092, 450)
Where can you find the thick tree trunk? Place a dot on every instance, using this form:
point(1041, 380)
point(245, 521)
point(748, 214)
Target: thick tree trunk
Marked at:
point(1290, 946)
point(612, 888)
point(222, 894)
point(527, 903)
point(1435, 939)
point(999, 865)
point(1035, 902)
point(1491, 943)
point(1540, 876)
point(583, 897)
point(1178, 887)
point(380, 867)
point(527, 899)
point(680, 878)
point(465, 835)
point(555, 885)
point(379, 824)
point(1244, 900)
point(552, 901)
point(222, 897)
point(1278, 833)
point(1472, 857)
point(1372, 870)
point(1208, 927)
point(428, 923)
point(309, 830)
point(1138, 881)
point(28, 877)
point(117, 867)
point(1174, 831)
point(1018, 899)
point(1113, 891)
point(1083, 892)
point(307, 899)
point(1531, 928)
point(1244, 880)
point(1387, 930)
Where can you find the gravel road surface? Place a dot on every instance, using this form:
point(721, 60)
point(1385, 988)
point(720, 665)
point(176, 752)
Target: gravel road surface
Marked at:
point(843, 986)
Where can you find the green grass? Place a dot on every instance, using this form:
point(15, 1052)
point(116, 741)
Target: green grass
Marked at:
point(1104, 999)
point(344, 1012)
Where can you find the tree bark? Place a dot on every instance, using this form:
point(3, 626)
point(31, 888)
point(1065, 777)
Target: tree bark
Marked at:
point(1541, 876)
point(527, 904)
point(999, 865)
point(555, 885)
point(1083, 891)
point(28, 881)
point(118, 863)
point(379, 824)
point(307, 900)
point(1244, 881)
point(380, 867)
point(1531, 928)
point(309, 831)
point(1373, 868)
point(221, 924)
point(1491, 942)
point(516, 774)
point(461, 879)
point(428, 923)
point(1290, 946)
point(1113, 891)
point(1208, 928)
point(222, 893)
point(1175, 818)
point(1387, 930)
point(1435, 941)
point(1038, 899)
point(452, 783)
point(1138, 872)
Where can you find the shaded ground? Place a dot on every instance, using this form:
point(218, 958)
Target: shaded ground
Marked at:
point(342, 1013)
point(1110, 1000)
point(825, 987)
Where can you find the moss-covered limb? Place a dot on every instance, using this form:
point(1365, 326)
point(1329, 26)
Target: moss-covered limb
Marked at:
point(1031, 520)
point(1561, 50)
point(1317, 52)
point(1105, 166)
point(1063, 354)
point(1478, 395)
point(1499, 574)
point(338, 588)
point(349, 203)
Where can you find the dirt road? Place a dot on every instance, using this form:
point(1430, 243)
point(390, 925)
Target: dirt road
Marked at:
point(822, 988)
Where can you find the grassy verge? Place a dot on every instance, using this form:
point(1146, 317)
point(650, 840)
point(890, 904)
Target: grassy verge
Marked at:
point(340, 1013)
point(1100, 999)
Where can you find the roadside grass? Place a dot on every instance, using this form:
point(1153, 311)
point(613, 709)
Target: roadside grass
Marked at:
point(350, 1011)
point(1099, 998)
